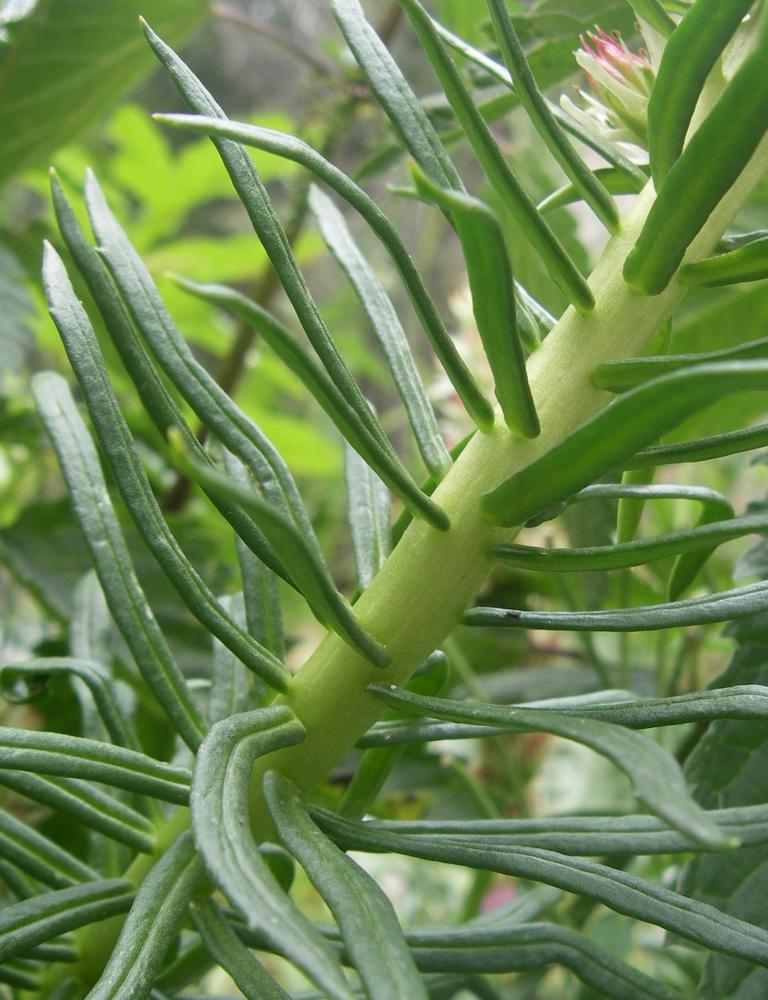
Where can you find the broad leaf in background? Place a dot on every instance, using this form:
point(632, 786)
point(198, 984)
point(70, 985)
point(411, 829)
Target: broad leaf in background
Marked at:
point(63, 63)
point(729, 767)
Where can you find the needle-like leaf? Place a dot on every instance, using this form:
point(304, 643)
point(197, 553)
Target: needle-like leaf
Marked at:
point(746, 263)
point(644, 414)
point(31, 921)
point(689, 55)
point(111, 557)
point(283, 343)
point(76, 757)
point(293, 148)
point(584, 180)
point(307, 568)
point(618, 890)
point(368, 513)
point(698, 180)
point(220, 819)
point(157, 400)
point(530, 220)
point(387, 328)
point(246, 181)
point(493, 299)
point(655, 775)
point(370, 930)
point(38, 856)
point(151, 925)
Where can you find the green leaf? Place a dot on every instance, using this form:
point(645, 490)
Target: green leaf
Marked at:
point(727, 768)
point(231, 690)
point(152, 924)
point(76, 757)
point(48, 99)
point(38, 856)
point(584, 180)
point(220, 819)
point(31, 921)
point(368, 513)
point(156, 399)
point(395, 95)
point(493, 299)
point(387, 328)
point(718, 607)
point(119, 449)
point(655, 775)
point(624, 893)
point(320, 385)
point(618, 376)
point(590, 836)
point(644, 414)
point(370, 930)
point(623, 708)
point(306, 566)
point(266, 224)
point(293, 148)
point(698, 180)
point(227, 950)
point(691, 52)
point(747, 263)
point(531, 222)
point(111, 558)
point(22, 683)
point(209, 401)
point(503, 948)
point(702, 449)
point(86, 804)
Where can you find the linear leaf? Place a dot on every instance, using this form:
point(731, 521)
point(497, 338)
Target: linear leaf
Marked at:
point(592, 836)
point(231, 689)
point(726, 768)
point(22, 683)
point(319, 384)
point(369, 927)
point(307, 568)
point(76, 757)
point(624, 893)
point(249, 187)
point(493, 299)
point(90, 630)
point(614, 180)
point(644, 414)
point(531, 222)
point(702, 449)
point(617, 376)
point(220, 819)
point(156, 399)
point(87, 804)
point(655, 775)
point(293, 148)
point(634, 553)
point(38, 856)
point(584, 180)
point(32, 921)
point(698, 180)
point(689, 55)
point(653, 12)
point(718, 607)
point(747, 263)
point(623, 708)
point(112, 561)
point(226, 949)
point(394, 94)
point(387, 328)
point(518, 947)
point(208, 400)
point(151, 925)
point(368, 513)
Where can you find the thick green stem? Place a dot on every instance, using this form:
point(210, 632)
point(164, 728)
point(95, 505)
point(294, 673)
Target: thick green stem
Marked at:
point(429, 580)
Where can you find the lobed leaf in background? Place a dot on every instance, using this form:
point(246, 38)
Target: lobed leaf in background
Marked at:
point(60, 67)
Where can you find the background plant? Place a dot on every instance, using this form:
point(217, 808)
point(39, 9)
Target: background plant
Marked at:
point(109, 893)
